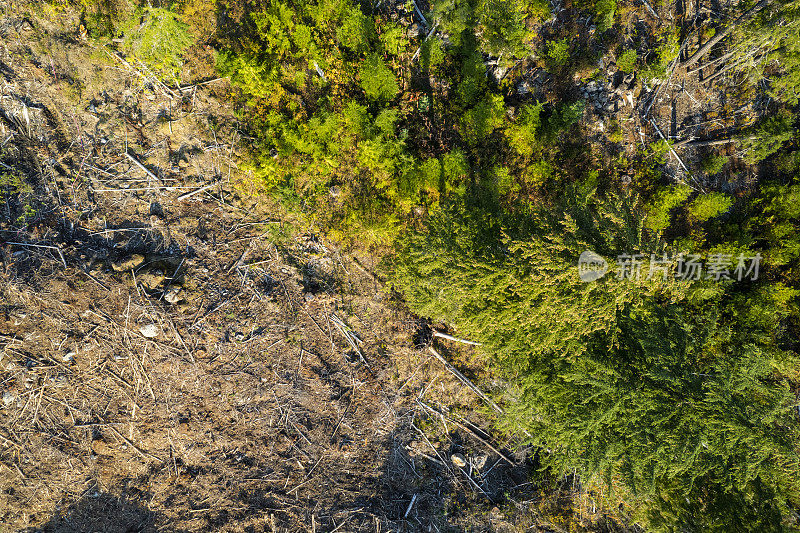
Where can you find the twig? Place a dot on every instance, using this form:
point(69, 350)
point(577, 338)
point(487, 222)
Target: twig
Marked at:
point(196, 191)
point(410, 505)
point(672, 151)
point(463, 379)
point(134, 446)
point(456, 339)
point(468, 430)
point(49, 247)
point(141, 189)
point(141, 166)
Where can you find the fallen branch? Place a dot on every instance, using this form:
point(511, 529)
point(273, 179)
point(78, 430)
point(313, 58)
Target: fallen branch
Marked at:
point(710, 142)
point(456, 339)
point(48, 247)
point(710, 63)
point(140, 165)
point(724, 33)
point(468, 430)
point(671, 149)
point(463, 379)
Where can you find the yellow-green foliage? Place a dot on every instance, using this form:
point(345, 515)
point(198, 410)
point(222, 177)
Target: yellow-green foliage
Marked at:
point(627, 60)
point(377, 79)
point(558, 52)
point(665, 201)
point(158, 39)
point(13, 184)
point(709, 205)
point(523, 133)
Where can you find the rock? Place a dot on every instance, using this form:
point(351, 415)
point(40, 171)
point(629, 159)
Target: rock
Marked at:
point(100, 447)
point(8, 398)
point(69, 357)
point(150, 331)
point(479, 461)
point(173, 296)
point(458, 460)
point(128, 263)
point(156, 209)
point(151, 280)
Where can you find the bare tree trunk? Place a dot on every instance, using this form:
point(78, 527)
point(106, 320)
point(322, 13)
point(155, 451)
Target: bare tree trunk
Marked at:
point(724, 33)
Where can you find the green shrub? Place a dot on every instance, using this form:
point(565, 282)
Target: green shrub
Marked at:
point(502, 28)
point(627, 60)
point(605, 10)
point(481, 120)
point(768, 137)
point(665, 53)
point(686, 408)
point(104, 18)
point(523, 134)
point(356, 30)
point(394, 39)
point(709, 205)
point(713, 164)
point(432, 53)
point(158, 39)
point(665, 201)
point(377, 79)
point(558, 52)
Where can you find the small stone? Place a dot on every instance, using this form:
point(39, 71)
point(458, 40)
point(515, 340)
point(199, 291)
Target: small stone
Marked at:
point(150, 331)
point(308, 296)
point(151, 280)
point(129, 263)
point(458, 460)
point(156, 209)
point(173, 296)
point(8, 398)
point(479, 461)
point(69, 357)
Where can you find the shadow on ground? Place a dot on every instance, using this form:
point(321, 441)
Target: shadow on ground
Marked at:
point(100, 512)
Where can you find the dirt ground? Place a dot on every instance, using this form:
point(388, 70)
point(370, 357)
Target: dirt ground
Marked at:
point(176, 354)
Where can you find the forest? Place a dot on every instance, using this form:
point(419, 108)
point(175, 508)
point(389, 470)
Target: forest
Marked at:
point(480, 147)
